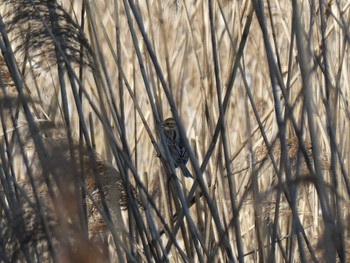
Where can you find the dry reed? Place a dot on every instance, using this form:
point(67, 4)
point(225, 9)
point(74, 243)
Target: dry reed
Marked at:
point(85, 84)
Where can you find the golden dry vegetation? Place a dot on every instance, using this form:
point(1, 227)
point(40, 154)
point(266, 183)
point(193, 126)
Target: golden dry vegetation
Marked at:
point(259, 91)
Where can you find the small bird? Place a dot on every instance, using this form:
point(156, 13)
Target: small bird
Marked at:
point(176, 146)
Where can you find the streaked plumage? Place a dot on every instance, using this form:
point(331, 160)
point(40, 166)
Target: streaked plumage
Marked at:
point(176, 146)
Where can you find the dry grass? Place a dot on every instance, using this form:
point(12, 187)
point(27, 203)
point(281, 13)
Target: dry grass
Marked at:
point(260, 98)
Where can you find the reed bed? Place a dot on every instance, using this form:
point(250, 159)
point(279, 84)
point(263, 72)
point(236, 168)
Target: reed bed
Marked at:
point(259, 92)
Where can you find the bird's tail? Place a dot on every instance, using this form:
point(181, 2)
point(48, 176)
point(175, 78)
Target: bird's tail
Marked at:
point(185, 171)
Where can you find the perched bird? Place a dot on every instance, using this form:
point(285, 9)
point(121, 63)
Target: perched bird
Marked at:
point(176, 146)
